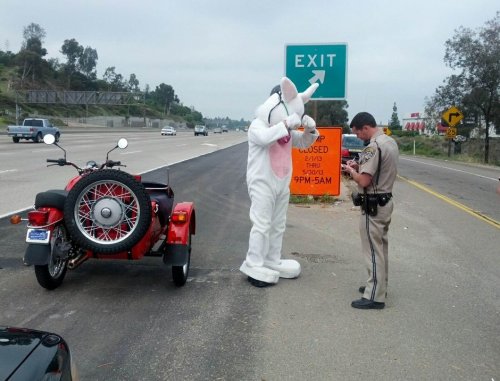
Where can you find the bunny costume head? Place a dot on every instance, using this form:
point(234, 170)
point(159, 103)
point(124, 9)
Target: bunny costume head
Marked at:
point(271, 136)
point(283, 101)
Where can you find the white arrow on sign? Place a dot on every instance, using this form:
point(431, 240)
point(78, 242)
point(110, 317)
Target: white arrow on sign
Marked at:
point(318, 75)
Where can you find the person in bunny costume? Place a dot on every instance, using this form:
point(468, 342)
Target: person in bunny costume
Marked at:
point(269, 170)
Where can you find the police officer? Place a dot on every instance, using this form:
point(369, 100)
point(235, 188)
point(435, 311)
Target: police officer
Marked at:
point(375, 175)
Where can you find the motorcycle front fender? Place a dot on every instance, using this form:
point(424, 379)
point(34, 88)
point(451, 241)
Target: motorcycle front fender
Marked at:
point(37, 255)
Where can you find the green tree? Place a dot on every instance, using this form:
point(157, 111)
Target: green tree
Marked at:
point(6, 58)
point(34, 31)
point(450, 93)
point(73, 51)
point(328, 113)
point(113, 80)
point(30, 57)
point(395, 124)
point(133, 83)
point(476, 54)
point(164, 96)
point(87, 62)
point(178, 109)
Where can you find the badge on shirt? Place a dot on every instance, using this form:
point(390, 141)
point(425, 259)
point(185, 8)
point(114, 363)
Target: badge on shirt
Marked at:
point(367, 154)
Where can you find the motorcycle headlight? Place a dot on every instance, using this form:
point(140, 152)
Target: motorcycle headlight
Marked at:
point(91, 164)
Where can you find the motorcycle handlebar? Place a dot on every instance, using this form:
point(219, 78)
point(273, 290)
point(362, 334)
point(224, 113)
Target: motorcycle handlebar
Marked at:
point(111, 163)
point(58, 161)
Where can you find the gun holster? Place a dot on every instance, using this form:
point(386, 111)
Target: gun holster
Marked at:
point(370, 205)
point(368, 202)
point(356, 199)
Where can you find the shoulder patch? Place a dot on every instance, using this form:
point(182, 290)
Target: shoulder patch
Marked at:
point(367, 154)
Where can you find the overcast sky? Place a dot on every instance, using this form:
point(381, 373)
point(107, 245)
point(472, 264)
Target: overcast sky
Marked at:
point(223, 57)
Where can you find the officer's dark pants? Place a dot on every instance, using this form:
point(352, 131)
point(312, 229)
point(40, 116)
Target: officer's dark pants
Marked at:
point(375, 246)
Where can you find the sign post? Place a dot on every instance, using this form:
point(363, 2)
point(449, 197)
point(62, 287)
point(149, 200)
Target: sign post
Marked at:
point(322, 63)
point(452, 117)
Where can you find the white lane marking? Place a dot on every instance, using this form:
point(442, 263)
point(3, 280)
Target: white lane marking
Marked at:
point(209, 144)
point(42, 150)
point(16, 211)
point(451, 169)
point(8, 170)
point(129, 153)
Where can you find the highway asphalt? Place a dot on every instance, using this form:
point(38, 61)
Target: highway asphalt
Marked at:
point(126, 321)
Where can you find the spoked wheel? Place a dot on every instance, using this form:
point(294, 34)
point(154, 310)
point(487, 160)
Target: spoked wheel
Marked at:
point(51, 275)
point(180, 273)
point(107, 211)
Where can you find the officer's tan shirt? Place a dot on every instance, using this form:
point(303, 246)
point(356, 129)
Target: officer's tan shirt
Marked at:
point(369, 158)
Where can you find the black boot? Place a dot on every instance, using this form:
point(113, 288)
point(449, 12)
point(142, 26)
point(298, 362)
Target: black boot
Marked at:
point(258, 283)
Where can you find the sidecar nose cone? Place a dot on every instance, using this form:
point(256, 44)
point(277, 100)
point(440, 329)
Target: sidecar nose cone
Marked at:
point(106, 212)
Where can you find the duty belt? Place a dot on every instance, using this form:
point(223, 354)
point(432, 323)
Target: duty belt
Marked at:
point(380, 194)
point(379, 198)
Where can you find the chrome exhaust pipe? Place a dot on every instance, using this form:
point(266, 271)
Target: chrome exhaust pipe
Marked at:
point(75, 262)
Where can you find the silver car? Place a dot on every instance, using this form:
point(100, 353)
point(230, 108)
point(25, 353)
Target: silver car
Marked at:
point(200, 129)
point(168, 130)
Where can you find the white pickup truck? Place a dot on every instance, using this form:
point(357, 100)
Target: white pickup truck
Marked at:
point(33, 129)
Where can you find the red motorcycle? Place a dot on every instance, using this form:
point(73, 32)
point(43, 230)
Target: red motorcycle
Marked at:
point(106, 213)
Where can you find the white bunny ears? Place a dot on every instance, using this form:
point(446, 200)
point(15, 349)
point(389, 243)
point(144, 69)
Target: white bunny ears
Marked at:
point(293, 102)
point(290, 92)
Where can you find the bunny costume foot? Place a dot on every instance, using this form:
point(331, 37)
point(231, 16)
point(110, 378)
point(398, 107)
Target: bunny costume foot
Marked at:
point(287, 268)
point(264, 275)
point(271, 136)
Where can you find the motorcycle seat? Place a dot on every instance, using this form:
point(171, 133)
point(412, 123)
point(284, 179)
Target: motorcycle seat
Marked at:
point(52, 198)
point(163, 195)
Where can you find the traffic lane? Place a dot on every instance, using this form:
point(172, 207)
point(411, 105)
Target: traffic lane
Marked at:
point(473, 186)
point(24, 172)
point(218, 190)
point(80, 147)
point(441, 319)
point(126, 320)
point(217, 326)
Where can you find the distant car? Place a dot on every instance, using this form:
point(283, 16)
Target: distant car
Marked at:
point(217, 130)
point(33, 129)
point(225, 129)
point(168, 130)
point(351, 147)
point(200, 129)
point(26, 354)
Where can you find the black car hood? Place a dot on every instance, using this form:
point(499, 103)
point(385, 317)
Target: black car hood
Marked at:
point(16, 344)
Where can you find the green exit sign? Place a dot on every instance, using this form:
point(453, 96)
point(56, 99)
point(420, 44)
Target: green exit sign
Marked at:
point(321, 63)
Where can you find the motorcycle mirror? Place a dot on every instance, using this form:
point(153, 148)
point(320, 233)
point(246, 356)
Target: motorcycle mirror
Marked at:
point(122, 143)
point(49, 139)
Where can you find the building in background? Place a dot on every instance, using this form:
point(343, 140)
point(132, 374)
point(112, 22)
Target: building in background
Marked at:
point(417, 123)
